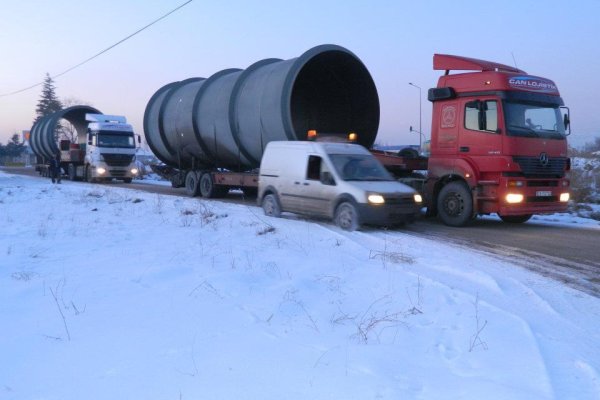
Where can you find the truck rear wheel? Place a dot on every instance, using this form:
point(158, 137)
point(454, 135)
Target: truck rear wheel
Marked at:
point(346, 216)
point(455, 204)
point(515, 219)
point(192, 185)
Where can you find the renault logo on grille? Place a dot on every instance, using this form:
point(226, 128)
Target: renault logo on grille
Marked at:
point(544, 159)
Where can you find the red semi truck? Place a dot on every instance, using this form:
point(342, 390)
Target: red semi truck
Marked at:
point(498, 136)
point(498, 144)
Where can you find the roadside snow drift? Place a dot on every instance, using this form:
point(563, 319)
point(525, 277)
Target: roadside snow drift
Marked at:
point(109, 293)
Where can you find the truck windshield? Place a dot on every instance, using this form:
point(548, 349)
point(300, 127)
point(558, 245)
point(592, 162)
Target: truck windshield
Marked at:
point(359, 167)
point(116, 139)
point(533, 120)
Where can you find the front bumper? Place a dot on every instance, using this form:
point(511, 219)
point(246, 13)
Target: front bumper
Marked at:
point(388, 214)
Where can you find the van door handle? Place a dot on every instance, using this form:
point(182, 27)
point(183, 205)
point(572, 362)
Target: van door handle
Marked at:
point(296, 183)
point(306, 183)
point(464, 149)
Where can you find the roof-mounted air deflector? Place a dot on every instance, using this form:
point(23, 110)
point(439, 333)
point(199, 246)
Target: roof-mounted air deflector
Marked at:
point(449, 63)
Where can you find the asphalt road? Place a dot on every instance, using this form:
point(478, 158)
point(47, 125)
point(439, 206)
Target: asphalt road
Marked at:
point(570, 254)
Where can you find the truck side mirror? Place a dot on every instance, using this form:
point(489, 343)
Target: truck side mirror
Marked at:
point(566, 120)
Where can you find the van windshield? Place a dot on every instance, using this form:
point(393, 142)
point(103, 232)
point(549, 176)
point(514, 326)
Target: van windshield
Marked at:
point(359, 167)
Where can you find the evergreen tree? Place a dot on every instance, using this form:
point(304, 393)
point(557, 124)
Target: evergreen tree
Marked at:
point(14, 148)
point(49, 102)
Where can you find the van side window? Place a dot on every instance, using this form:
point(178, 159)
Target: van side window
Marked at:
point(313, 171)
point(481, 116)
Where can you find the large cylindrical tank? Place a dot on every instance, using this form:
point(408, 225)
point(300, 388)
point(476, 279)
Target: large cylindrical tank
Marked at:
point(227, 120)
point(43, 139)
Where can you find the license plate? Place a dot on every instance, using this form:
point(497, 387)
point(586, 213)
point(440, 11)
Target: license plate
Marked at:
point(543, 193)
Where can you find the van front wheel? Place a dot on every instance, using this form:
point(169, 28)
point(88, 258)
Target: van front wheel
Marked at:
point(346, 216)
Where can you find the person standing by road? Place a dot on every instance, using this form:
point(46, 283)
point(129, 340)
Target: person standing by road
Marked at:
point(55, 172)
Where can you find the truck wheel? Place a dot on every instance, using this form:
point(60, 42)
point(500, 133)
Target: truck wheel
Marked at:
point(455, 204)
point(346, 216)
point(515, 219)
point(88, 175)
point(270, 205)
point(191, 184)
point(71, 172)
point(207, 187)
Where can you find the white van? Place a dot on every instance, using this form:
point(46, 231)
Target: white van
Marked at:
point(340, 181)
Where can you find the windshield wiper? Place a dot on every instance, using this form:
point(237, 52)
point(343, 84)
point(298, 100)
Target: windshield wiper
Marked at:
point(526, 129)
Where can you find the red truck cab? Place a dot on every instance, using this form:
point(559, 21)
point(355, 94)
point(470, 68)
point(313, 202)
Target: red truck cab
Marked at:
point(498, 143)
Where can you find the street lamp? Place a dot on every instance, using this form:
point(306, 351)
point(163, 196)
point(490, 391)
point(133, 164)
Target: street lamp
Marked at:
point(420, 126)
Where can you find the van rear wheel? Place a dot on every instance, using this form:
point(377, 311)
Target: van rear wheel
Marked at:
point(346, 216)
point(270, 206)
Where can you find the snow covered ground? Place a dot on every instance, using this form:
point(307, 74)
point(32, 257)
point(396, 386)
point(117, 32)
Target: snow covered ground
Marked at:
point(109, 293)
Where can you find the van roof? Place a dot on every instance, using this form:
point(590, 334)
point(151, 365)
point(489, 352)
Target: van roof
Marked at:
point(327, 147)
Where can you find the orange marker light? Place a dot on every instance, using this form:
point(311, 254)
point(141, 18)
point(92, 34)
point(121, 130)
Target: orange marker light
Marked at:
point(312, 134)
point(353, 137)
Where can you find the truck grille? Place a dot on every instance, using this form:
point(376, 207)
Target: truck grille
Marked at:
point(117, 160)
point(533, 167)
point(117, 173)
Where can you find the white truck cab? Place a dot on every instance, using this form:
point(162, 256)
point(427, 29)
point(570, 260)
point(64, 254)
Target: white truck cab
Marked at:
point(111, 148)
point(339, 181)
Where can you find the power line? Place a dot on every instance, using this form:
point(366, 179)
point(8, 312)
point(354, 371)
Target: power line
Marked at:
point(101, 52)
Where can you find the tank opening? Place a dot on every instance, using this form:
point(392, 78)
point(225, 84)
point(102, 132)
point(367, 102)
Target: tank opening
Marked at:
point(335, 93)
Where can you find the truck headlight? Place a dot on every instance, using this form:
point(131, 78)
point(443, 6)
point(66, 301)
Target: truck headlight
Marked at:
point(418, 198)
point(100, 171)
point(134, 171)
point(375, 198)
point(564, 197)
point(513, 198)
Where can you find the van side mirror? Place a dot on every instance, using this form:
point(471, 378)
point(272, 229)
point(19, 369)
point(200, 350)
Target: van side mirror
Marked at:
point(90, 139)
point(139, 139)
point(327, 178)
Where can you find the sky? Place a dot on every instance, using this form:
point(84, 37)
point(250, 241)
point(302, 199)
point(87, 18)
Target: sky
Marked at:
point(113, 293)
point(395, 40)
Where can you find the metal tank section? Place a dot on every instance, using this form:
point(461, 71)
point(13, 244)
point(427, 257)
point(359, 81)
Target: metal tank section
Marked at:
point(43, 140)
point(227, 120)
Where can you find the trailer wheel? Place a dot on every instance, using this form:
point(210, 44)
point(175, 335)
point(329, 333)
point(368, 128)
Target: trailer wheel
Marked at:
point(515, 219)
point(455, 204)
point(192, 185)
point(270, 205)
point(207, 186)
point(346, 216)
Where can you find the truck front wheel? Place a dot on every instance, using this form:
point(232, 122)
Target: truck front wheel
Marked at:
point(515, 219)
point(88, 175)
point(455, 204)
